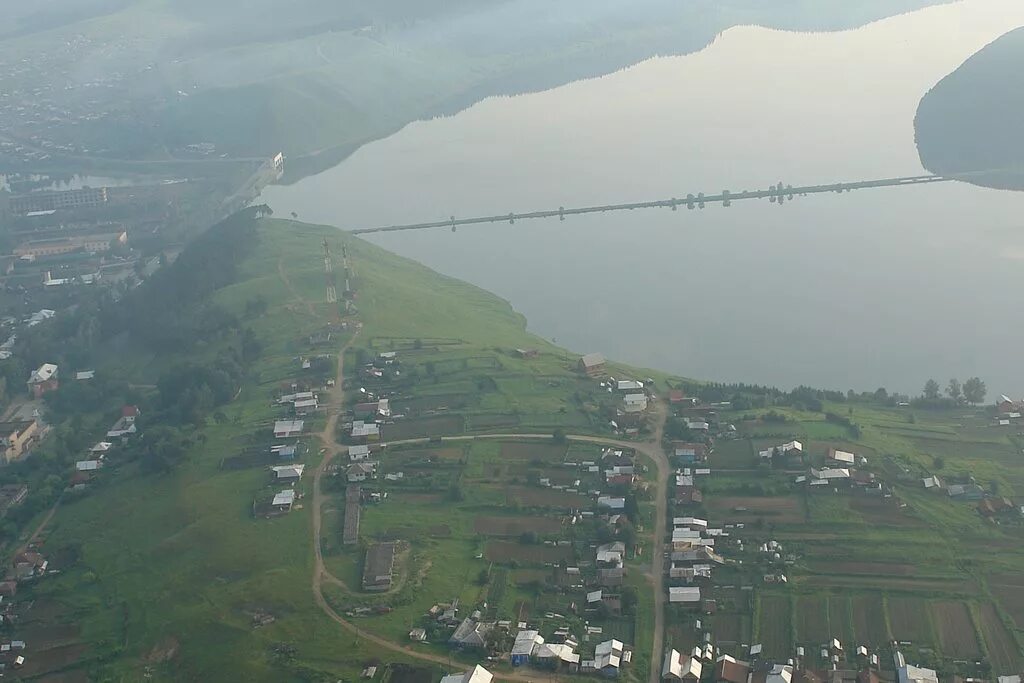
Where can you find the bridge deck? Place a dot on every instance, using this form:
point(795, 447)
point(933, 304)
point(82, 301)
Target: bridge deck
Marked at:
point(776, 193)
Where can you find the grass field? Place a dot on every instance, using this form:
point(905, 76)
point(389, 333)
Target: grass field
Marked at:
point(176, 562)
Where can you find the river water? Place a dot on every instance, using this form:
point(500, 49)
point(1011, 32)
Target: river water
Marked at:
point(874, 288)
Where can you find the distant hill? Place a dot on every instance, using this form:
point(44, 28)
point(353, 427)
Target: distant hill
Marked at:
point(971, 120)
point(318, 78)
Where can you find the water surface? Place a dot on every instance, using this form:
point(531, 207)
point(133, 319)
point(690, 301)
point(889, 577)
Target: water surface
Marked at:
point(877, 288)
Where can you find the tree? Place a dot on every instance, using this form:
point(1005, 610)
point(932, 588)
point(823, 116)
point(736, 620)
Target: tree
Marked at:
point(881, 395)
point(938, 462)
point(558, 436)
point(931, 389)
point(974, 391)
point(954, 390)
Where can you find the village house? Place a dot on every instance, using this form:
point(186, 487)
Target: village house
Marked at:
point(16, 437)
point(787, 449)
point(523, 647)
point(612, 502)
point(592, 364)
point(126, 424)
point(697, 425)
point(418, 635)
point(43, 380)
point(283, 501)
point(358, 452)
point(88, 465)
point(629, 386)
point(471, 633)
point(284, 429)
point(477, 674)
point(679, 668)
point(971, 492)
point(527, 353)
point(288, 473)
point(838, 458)
point(557, 655)
point(29, 564)
point(689, 453)
point(634, 403)
point(611, 554)
point(284, 451)
point(360, 471)
point(609, 657)
point(365, 431)
point(834, 475)
point(685, 596)
point(1006, 405)
point(932, 483)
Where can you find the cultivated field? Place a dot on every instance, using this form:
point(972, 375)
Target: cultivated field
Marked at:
point(773, 626)
point(956, 630)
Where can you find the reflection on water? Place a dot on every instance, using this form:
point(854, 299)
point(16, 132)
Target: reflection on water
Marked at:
point(880, 287)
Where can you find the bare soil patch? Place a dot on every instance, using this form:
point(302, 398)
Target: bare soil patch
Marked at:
point(516, 526)
point(547, 452)
point(869, 568)
point(446, 425)
point(777, 509)
point(505, 551)
point(1002, 650)
point(54, 659)
point(909, 620)
point(545, 497)
point(869, 621)
point(956, 630)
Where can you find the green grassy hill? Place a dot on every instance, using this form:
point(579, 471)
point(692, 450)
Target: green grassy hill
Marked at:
point(173, 566)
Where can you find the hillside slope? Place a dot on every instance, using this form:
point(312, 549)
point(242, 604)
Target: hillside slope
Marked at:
point(970, 120)
point(170, 567)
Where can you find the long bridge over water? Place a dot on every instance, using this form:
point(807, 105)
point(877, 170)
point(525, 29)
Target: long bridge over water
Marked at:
point(778, 194)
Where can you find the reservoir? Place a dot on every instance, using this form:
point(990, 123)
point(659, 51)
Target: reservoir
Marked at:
point(883, 287)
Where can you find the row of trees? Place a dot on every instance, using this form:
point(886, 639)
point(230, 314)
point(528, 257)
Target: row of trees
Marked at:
point(972, 391)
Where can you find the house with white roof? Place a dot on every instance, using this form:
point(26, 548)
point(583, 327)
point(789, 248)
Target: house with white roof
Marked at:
point(42, 380)
point(613, 502)
point(634, 403)
point(688, 596)
point(831, 474)
point(524, 646)
point(477, 674)
point(365, 431)
point(283, 501)
point(284, 429)
point(680, 668)
point(288, 472)
point(780, 673)
point(916, 674)
point(841, 458)
point(609, 657)
point(359, 452)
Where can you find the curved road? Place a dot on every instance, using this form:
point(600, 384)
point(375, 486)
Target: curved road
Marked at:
point(651, 448)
